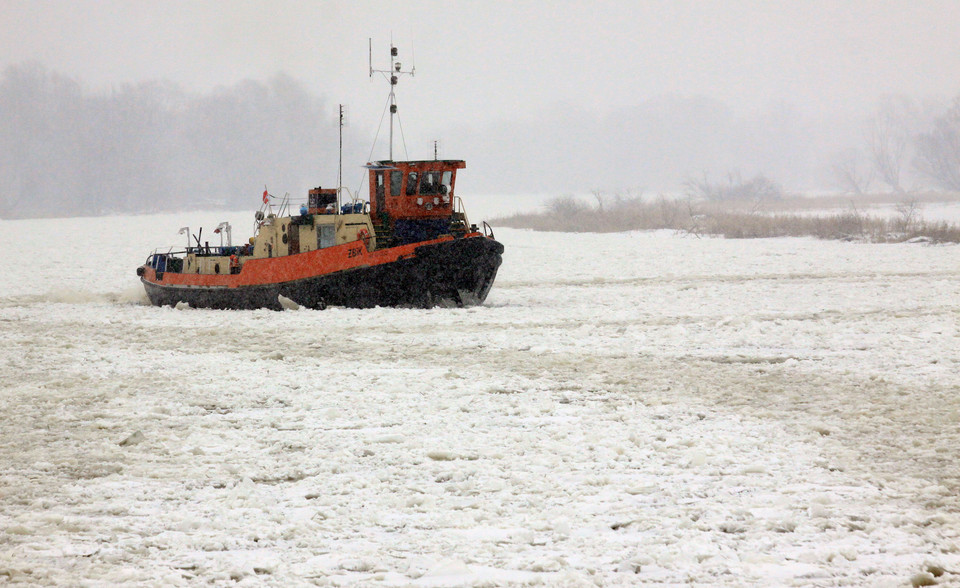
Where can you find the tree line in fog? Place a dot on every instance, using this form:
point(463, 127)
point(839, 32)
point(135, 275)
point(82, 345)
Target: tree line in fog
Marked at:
point(668, 144)
point(153, 146)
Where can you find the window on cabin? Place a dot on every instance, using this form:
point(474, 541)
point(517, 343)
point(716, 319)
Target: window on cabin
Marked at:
point(412, 178)
point(396, 177)
point(326, 236)
point(430, 185)
point(380, 191)
point(445, 182)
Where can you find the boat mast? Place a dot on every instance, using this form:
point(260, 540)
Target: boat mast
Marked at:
point(392, 75)
point(340, 163)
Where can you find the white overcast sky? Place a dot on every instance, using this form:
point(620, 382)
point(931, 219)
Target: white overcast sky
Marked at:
point(479, 62)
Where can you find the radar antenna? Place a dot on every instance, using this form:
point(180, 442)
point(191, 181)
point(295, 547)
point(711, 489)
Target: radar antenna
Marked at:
point(392, 75)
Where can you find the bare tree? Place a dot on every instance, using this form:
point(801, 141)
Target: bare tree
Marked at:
point(908, 215)
point(888, 143)
point(851, 223)
point(600, 197)
point(758, 188)
point(696, 224)
point(938, 151)
point(852, 173)
point(566, 206)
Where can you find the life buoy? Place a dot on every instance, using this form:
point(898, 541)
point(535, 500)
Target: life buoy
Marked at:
point(364, 235)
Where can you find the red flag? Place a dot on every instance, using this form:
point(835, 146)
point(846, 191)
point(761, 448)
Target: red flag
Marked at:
point(265, 196)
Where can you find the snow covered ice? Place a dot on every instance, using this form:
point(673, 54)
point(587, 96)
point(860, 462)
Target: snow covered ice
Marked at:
point(625, 409)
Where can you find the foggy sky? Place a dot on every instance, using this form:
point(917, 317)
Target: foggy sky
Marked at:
point(481, 62)
point(536, 96)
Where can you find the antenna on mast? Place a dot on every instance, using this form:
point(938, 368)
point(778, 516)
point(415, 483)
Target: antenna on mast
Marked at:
point(392, 75)
point(413, 59)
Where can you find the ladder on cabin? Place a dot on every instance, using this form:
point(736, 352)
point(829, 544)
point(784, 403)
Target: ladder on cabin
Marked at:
point(458, 223)
point(383, 232)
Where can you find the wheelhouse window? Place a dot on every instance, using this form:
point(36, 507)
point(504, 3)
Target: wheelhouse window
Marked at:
point(412, 178)
point(430, 185)
point(445, 182)
point(396, 177)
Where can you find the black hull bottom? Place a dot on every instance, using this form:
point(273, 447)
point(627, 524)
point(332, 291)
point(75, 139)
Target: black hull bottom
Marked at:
point(455, 273)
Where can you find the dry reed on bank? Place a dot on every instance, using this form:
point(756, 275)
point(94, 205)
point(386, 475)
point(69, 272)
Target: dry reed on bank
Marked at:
point(731, 220)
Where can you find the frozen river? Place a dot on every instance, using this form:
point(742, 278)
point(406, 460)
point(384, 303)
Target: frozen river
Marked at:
point(625, 409)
